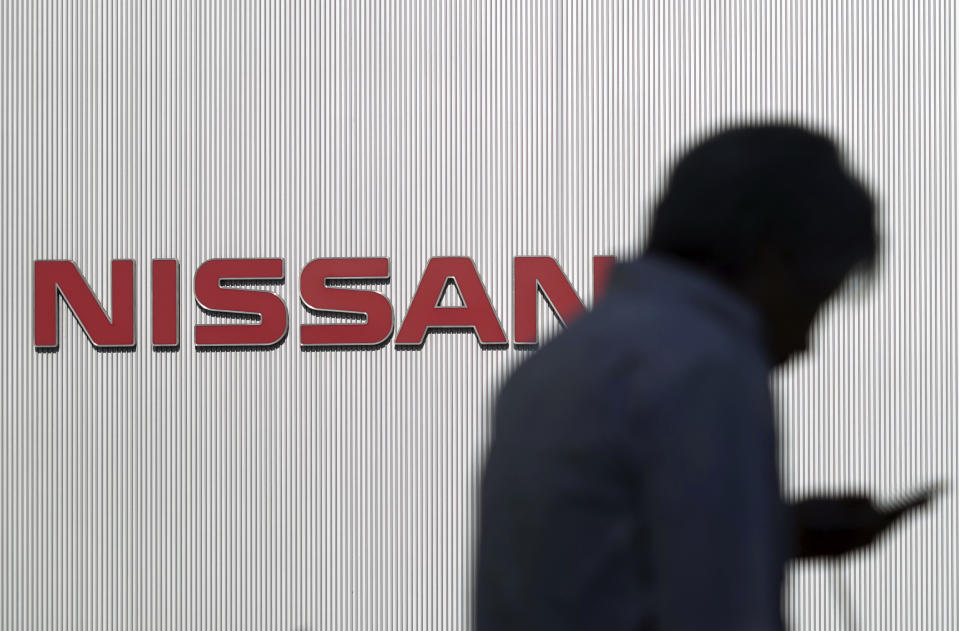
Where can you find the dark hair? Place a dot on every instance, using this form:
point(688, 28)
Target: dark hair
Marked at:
point(777, 186)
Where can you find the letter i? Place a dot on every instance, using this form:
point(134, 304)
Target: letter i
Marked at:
point(166, 303)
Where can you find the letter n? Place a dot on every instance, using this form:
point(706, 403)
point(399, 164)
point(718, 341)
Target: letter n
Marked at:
point(55, 279)
point(533, 275)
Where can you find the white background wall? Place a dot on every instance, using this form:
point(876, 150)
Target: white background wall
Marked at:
point(337, 490)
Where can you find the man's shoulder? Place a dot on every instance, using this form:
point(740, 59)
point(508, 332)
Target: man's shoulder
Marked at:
point(642, 335)
point(672, 331)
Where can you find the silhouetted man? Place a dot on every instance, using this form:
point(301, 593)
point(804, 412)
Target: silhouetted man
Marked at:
point(632, 482)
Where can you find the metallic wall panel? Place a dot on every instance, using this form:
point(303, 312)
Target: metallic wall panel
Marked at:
point(337, 490)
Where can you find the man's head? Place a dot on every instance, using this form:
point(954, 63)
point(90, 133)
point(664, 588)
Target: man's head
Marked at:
point(771, 211)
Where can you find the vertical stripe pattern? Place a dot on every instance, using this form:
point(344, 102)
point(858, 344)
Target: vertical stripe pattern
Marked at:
point(284, 489)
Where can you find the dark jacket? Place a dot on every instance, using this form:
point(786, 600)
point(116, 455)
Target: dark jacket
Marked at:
point(632, 481)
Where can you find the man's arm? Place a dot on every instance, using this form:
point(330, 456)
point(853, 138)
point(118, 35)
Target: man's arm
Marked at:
point(710, 501)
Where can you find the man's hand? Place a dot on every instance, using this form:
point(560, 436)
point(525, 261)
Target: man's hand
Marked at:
point(832, 526)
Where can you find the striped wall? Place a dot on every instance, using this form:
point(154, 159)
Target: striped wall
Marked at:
point(337, 490)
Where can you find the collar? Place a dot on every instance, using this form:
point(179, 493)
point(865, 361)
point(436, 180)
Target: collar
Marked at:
point(676, 280)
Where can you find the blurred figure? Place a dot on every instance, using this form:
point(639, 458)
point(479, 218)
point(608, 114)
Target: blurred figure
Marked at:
point(632, 482)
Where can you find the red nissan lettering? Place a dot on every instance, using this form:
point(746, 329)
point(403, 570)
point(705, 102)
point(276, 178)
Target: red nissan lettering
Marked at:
point(425, 313)
point(317, 295)
point(53, 279)
point(266, 307)
point(533, 275)
point(166, 303)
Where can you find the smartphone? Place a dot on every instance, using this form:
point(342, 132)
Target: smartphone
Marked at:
point(914, 501)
